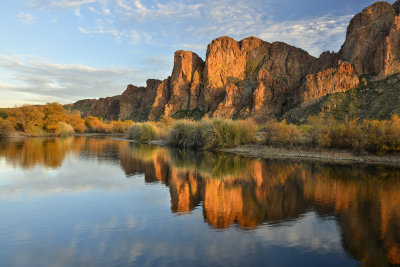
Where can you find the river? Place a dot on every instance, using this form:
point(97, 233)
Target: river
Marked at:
point(100, 201)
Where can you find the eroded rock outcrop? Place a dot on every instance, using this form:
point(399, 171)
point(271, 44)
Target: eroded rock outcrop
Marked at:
point(234, 72)
point(268, 86)
point(185, 82)
point(135, 103)
point(373, 39)
point(329, 81)
point(105, 107)
point(162, 97)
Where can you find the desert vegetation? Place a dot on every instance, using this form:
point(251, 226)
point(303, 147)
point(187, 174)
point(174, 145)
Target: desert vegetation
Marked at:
point(204, 134)
point(318, 131)
point(323, 131)
point(53, 120)
point(210, 134)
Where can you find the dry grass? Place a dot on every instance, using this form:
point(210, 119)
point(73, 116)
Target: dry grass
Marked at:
point(323, 131)
point(211, 134)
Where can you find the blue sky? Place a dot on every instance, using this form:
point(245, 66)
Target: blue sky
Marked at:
point(66, 50)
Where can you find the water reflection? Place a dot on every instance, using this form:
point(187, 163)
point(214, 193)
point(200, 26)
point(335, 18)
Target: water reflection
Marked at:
point(235, 191)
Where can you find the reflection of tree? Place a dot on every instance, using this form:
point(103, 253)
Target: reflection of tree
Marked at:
point(49, 152)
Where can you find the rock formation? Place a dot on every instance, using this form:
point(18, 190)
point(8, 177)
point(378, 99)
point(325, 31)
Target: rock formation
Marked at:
point(185, 82)
point(329, 81)
point(163, 95)
point(255, 78)
point(372, 40)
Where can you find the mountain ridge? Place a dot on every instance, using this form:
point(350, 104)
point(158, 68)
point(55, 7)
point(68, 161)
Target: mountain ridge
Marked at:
point(255, 78)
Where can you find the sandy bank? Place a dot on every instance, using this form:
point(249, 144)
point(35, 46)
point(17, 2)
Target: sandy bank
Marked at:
point(332, 156)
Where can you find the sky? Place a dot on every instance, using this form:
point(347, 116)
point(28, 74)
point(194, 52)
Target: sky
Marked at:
point(67, 50)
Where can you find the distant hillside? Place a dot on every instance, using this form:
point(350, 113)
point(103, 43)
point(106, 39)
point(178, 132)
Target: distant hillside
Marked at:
point(254, 78)
point(372, 100)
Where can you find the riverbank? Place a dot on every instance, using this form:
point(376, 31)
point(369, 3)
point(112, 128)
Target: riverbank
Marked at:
point(322, 155)
point(301, 153)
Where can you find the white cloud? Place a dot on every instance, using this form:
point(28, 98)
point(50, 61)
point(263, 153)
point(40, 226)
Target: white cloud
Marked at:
point(65, 4)
point(134, 37)
point(192, 46)
point(194, 25)
point(34, 80)
point(184, 24)
point(314, 35)
point(71, 3)
point(102, 30)
point(78, 12)
point(25, 18)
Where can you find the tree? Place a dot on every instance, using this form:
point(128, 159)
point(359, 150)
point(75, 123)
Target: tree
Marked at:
point(54, 113)
point(26, 117)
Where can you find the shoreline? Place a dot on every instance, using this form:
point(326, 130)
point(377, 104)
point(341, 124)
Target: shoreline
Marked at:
point(303, 154)
point(326, 156)
point(270, 152)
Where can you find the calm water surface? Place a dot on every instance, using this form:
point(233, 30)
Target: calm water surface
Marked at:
point(101, 202)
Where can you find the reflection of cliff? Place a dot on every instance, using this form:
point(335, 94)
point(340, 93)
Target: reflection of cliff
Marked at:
point(233, 190)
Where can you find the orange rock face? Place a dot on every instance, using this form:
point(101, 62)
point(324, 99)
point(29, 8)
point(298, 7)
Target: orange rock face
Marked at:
point(162, 97)
point(268, 86)
point(185, 82)
point(252, 77)
point(329, 81)
point(235, 77)
point(372, 40)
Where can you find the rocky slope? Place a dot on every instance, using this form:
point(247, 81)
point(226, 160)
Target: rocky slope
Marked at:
point(371, 100)
point(254, 78)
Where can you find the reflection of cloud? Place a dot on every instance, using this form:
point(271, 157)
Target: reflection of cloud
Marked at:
point(75, 175)
point(309, 233)
point(176, 240)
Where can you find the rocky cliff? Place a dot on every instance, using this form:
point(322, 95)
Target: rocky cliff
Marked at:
point(254, 78)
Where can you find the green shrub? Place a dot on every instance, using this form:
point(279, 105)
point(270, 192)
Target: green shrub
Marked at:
point(372, 136)
point(281, 133)
point(210, 134)
point(190, 134)
point(195, 114)
point(231, 133)
point(120, 126)
point(3, 113)
point(143, 132)
point(65, 129)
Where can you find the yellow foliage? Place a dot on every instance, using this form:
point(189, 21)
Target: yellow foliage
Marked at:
point(5, 128)
point(281, 133)
point(120, 126)
point(97, 126)
point(77, 123)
